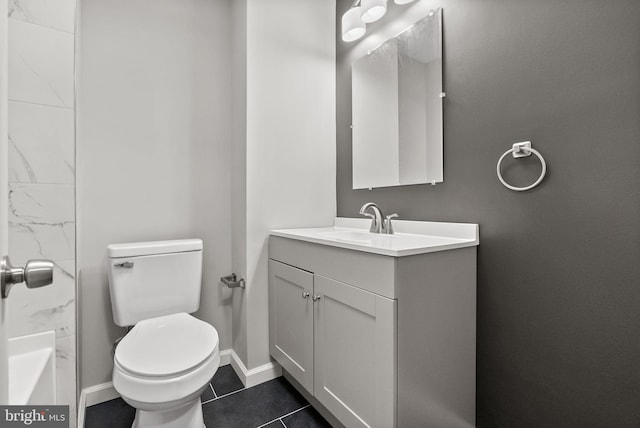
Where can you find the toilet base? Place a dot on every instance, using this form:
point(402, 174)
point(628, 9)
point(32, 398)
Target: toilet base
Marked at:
point(187, 416)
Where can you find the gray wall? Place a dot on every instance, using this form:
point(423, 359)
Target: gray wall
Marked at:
point(558, 267)
point(153, 150)
point(288, 159)
point(239, 171)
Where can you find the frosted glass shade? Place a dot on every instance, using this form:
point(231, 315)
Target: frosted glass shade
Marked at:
point(352, 26)
point(372, 10)
point(402, 1)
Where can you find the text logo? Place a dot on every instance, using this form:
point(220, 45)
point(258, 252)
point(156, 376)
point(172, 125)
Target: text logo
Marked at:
point(34, 416)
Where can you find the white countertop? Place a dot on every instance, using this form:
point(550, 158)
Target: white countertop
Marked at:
point(410, 237)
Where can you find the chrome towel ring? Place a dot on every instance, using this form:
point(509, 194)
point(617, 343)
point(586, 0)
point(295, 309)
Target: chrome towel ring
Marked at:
point(520, 150)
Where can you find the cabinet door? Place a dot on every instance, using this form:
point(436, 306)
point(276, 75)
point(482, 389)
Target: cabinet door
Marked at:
point(355, 342)
point(291, 321)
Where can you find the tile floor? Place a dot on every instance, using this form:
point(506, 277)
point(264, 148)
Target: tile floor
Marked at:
point(227, 404)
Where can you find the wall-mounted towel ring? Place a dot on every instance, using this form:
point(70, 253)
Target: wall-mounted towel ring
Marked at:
point(520, 150)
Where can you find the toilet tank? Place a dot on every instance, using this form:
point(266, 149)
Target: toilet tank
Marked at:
point(152, 279)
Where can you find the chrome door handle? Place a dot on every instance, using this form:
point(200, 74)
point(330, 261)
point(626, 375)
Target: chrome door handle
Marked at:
point(316, 298)
point(305, 294)
point(36, 273)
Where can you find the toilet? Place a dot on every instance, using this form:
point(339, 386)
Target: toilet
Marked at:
point(165, 362)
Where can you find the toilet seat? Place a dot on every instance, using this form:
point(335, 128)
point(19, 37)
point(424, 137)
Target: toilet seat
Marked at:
point(165, 360)
point(148, 393)
point(166, 346)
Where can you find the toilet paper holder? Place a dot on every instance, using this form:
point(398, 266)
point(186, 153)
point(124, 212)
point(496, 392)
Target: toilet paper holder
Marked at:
point(232, 281)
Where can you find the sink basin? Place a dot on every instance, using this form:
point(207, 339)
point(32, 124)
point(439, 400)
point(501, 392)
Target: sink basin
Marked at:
point(347, 235)
point(411, 237)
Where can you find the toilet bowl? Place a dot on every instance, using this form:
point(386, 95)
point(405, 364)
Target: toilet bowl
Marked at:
point(161, 368)
point(165, 362)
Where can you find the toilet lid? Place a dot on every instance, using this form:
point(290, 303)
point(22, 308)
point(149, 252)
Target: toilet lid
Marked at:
point(166, 345)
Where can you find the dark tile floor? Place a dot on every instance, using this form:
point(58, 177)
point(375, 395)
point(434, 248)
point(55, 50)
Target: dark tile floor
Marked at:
point(227, 404)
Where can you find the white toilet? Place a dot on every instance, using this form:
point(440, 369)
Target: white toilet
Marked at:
point(165, 362)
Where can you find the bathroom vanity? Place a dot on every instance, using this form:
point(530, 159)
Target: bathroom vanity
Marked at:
point(380, 329)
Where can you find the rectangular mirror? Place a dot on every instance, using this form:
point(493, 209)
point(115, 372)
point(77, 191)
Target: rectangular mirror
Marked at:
point(397, 109)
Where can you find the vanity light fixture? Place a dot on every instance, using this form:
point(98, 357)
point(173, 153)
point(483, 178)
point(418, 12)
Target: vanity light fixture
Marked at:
point(372, 10)
point(361, 13)
point(352, 26)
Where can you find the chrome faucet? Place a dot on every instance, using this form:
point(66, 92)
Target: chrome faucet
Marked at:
point(379, 223)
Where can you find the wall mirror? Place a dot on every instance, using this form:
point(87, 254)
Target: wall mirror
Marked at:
point(397, 109)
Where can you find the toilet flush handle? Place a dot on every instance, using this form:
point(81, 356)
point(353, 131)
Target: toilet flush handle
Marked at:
point(126, 265)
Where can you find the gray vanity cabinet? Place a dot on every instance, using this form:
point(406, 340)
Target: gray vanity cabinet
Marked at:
point(354, 336)
point(380, 341)
point(291, 320)
point(338, 341)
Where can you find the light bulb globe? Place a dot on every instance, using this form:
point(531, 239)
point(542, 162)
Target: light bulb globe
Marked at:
point(352, 26)
point(372, 10)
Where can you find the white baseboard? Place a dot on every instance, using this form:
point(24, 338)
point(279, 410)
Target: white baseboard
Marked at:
point(256, 375)
point(100, 393)
point(105, 391)
point(95, 394)
point(81, 410)
point(225, 357)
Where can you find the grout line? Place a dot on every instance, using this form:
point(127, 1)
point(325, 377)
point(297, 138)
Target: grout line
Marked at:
point(295, 411)
point(38, 183)
point(267, 423)
point(223, 396)
point(214, 391)
point(283, 416)
point(282, 422)
point(45, 183)
point(39, 104)
point(42, 25)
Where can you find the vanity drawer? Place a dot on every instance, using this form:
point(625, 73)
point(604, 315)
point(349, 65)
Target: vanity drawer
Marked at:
point(371, 272)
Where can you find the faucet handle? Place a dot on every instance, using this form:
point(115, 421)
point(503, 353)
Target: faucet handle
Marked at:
point(387, 223)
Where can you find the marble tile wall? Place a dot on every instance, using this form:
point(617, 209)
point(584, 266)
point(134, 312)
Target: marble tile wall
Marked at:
point(42, 174)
